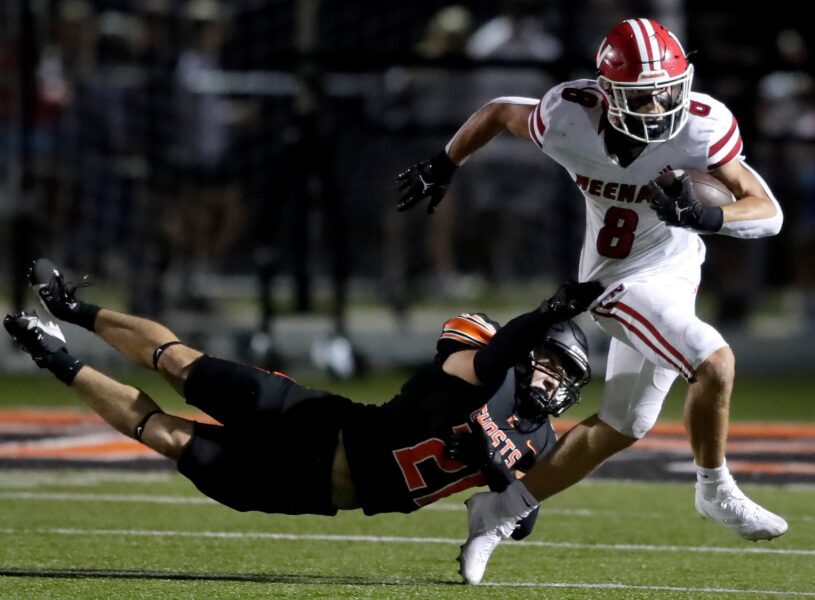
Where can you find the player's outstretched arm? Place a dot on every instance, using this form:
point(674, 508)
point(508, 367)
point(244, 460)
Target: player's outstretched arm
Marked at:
point(518, 337)
point(429, 179)
point(502, 114)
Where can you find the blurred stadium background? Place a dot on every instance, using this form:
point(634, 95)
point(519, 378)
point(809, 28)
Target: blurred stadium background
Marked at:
point(228, 168)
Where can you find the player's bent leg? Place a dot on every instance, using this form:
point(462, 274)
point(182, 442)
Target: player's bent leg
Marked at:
point(175, 362)
point(132, 412)
point(134, 337)
point(167, 434)
point(617, 426)
point(707, 407)
point(717, 496)
point(577, 453)
point(125, 408)
point(148, 344)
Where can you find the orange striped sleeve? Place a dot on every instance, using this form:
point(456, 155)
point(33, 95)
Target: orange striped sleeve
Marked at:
point(469, 329)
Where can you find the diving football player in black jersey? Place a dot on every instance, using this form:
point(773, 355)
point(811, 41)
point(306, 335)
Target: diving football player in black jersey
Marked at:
point(476, 415)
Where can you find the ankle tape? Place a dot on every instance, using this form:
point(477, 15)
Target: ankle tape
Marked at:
point(139, 431)
point(160, 350)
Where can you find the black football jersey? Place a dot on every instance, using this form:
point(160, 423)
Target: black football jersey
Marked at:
point(396, 451)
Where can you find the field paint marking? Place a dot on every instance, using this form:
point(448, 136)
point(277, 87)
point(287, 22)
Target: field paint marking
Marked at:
point(73, 416)
point(158, 499)
point(361, 582)
point(744, 429)
point(22, 478)
point(660, 588)
point(254, 535)
point(203, 500)
point(93, 497)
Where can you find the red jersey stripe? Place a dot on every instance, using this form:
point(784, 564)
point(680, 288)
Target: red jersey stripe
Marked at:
point(535, 121)
point(539, 119)
point(645, 340)
point(730, 155)
point(721, 143)
point(634, 314)
point(667, 351)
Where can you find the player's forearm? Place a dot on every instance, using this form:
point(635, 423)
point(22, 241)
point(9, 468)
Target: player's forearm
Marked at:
point(757, 213)
point(750, 208)
point(752, 217)
point(502, 114)
point(510, 345)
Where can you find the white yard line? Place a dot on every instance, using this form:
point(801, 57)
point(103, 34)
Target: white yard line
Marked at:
point(19, 478)
point(449, 541)
point(203, 500)
point(658, 588)
point(406, 581)
point(93, 497)
point(373, 539)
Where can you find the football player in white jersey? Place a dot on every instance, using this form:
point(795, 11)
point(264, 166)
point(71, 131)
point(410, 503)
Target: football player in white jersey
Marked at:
point(614, 135)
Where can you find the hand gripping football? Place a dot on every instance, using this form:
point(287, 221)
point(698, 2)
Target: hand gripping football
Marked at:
point(706, 188)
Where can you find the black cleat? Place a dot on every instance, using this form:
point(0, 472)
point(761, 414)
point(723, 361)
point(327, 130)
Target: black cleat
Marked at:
point(40, 339)
point(57, 296)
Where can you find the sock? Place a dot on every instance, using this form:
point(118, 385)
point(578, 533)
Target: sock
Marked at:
point(85, 315)
point(64, 366)
point(710, 479)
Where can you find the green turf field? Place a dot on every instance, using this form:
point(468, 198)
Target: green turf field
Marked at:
point(101, 534)
point(117, 534)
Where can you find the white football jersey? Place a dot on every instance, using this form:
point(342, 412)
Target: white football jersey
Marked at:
point(624, 238)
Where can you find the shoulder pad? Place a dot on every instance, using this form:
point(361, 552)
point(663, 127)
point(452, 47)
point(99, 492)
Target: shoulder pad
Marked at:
point(467, 331)
point(714, 125)
point(474, 329)
point(562, 104)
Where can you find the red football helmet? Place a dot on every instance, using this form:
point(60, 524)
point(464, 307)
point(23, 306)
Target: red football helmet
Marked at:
point(646, 77)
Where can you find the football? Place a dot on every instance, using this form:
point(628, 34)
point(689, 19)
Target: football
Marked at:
point(706, 188)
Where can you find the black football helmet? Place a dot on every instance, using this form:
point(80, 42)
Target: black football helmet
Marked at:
point(563, 356)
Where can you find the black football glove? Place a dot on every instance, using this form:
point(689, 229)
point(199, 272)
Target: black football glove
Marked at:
point(428, 179)
point(475, 449)
point(676, 206)
point(571, 299)
point(469, 448)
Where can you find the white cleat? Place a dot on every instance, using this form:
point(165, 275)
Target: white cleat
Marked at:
point(738, 513)
point(485, 533)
